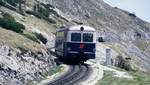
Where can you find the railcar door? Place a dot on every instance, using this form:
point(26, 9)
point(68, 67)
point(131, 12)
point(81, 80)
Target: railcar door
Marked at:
point(59, 43)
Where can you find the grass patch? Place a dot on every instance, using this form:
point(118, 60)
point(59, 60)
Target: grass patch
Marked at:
point(14, 40)
point(41, 16)
point(40, 37)
point(55, 70)
point(36, 37)
point(9, 23)
point(117, 68)
point(31, 37)
point(140, 78)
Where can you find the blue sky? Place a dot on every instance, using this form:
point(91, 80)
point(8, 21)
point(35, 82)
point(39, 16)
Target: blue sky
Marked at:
point(140, 7)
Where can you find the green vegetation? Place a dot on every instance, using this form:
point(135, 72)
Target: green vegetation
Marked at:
point(12, 5)
point(8, 22)
point(42, 15)
point(40, 37)
point(140, 78)
point(55, 70)
point(36, 37)
point(124, 63)
point(2, 3)
point(14, 2)
point(117, 68)
point(53, 12)
point(16, 40)
point(43, 12)
point(49, 8)
point(31, 37)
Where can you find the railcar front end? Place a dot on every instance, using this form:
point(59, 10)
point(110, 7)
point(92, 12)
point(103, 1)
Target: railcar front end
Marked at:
point(78, 43)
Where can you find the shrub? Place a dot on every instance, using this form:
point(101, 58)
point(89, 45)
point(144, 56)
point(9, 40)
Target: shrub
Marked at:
point(41, 38)
point(50, 20)
point(123, 63)
point(49, 8)
point(33, 13)
point(12, 2)
point(8, 22)
point(41, 16)
point(53, 12)
point(2, 3)
point(31, 37)
point(43, 12)
point(132, 14)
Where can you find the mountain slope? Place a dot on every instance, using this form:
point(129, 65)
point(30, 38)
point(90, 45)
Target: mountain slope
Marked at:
point(123, 32)
point(123, 29)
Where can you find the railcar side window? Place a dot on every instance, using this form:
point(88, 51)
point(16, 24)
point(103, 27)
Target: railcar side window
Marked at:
point(87, 37)
point(76, 37)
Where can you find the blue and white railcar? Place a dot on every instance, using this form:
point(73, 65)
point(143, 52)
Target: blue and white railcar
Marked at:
point(76, 42)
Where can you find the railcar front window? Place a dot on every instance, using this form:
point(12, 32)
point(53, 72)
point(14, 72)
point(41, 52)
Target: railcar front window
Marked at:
point(87, 37)
point(76, 37)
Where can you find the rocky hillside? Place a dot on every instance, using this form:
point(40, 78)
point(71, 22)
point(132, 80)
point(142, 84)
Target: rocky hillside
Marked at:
point(123, 32)
point(24, 56)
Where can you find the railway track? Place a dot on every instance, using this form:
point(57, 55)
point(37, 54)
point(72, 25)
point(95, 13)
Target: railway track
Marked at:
point(75, 74)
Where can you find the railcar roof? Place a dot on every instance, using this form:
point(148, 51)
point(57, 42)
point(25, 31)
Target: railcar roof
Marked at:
point(77, 27)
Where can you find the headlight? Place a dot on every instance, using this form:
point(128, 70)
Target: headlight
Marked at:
point(94, 50)
point(68, 49)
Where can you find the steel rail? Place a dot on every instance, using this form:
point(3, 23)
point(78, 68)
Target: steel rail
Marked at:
point(75, 74)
